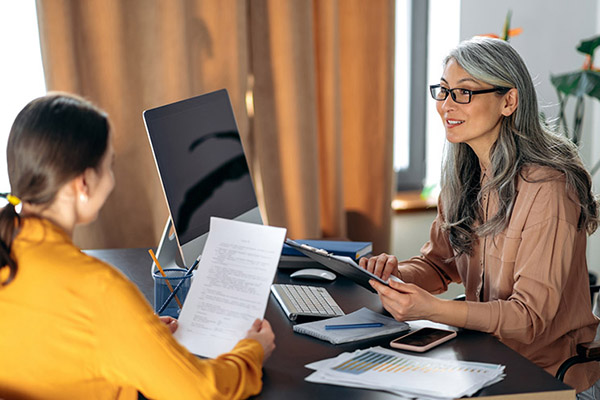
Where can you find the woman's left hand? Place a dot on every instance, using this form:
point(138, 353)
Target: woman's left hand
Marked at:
point(405, 301)
point(170, 322)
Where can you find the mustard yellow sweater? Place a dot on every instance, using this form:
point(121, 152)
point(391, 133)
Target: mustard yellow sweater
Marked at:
point(73, 327)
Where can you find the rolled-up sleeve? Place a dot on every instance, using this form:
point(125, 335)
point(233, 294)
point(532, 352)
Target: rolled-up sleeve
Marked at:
point(431, 270)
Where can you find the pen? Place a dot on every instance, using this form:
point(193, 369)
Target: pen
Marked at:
point(355, 326)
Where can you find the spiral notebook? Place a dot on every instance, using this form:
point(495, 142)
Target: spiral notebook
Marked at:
point(338, 336)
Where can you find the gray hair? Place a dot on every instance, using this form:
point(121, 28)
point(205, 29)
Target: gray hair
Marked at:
point(523, 140)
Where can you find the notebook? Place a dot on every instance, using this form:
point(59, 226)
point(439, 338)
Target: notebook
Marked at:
point(338, 336)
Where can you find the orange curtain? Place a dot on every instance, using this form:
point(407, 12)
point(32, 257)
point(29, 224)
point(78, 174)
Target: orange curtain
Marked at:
point(323, 97)
point(367, 59)
point(317, 134)
point(128, 56)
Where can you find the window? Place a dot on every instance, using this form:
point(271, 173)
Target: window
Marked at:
point(21, 72)
point(426, 30)
point(409, 94)
point(444, 35)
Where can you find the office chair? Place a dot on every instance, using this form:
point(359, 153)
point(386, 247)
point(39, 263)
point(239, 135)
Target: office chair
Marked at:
point(586, 352)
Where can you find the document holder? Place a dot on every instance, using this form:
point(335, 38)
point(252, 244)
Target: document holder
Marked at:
point(342, 265)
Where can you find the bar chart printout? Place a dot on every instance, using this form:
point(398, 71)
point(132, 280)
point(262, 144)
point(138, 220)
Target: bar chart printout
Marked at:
point(383, 369)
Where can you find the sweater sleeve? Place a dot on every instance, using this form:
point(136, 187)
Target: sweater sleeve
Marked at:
point(136, 349)
point(431, 270)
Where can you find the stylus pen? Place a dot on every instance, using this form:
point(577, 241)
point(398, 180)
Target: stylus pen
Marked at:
point(355, 326)
point(174, 292)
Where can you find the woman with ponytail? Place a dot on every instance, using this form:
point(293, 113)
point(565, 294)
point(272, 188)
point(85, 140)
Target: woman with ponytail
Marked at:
point(513, 217)
point(73, 327)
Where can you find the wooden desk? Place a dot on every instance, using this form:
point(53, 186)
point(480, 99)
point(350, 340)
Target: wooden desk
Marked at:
point(284, 372)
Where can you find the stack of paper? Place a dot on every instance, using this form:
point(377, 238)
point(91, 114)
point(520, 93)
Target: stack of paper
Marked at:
point(407, 376)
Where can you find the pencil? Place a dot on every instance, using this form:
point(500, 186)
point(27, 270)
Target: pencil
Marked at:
point(162, 272)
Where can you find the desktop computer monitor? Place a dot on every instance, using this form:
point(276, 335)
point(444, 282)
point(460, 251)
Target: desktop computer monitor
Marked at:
point(203, 170)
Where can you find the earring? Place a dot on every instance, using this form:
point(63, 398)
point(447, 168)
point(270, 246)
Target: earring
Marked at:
point(83, 198)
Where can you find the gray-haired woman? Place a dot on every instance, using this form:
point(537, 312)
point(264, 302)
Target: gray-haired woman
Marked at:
point(514, 211)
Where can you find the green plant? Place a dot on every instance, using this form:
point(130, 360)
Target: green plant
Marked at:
point(578, 84)
point(507, 32)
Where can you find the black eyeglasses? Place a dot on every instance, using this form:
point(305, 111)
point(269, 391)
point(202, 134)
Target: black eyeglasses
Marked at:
point(459, 95)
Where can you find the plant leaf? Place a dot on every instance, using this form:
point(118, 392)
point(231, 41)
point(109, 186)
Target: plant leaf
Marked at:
point(506, 27)
point(515, 32)
point(578, 83)
point(490, 35)
point(588, 46)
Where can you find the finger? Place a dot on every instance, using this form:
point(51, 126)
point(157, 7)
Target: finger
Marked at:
point(362, 262)
point(380, 265)
point(391, 266)
point(165, 319)
point(371, 266)
point(265, 325)
point(376, 285)
point(256, 325)
point(401, 286)
point(173, 325)
point(387, 291)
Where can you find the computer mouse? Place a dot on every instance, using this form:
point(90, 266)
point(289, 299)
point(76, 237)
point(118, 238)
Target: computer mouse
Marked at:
point(313, 273)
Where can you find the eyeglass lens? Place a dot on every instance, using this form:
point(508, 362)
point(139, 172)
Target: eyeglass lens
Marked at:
point(458, 95)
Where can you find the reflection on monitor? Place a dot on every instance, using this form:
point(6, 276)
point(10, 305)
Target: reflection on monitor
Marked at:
point(203, 171)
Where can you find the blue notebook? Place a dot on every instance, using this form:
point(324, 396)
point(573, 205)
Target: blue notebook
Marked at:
point(353, 250)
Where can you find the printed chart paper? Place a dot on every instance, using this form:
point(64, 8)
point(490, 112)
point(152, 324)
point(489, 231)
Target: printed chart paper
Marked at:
point(231, 286)
point(405, 375)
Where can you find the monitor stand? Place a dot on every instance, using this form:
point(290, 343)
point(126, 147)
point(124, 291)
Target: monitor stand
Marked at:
point(168, 253)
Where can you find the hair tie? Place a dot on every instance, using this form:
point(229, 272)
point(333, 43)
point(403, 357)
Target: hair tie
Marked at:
point(14, 200)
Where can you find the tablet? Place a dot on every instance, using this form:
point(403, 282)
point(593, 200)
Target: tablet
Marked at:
point(345, 266)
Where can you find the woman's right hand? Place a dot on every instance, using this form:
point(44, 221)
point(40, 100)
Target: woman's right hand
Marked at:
point(262, 332)
point(383, 265)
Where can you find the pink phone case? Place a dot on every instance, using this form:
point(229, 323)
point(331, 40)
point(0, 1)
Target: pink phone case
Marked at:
point(422, 339)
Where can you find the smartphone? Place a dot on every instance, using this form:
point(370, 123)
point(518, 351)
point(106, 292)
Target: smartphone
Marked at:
point(422, 339)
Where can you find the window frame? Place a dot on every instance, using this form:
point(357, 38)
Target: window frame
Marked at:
point(413, 177)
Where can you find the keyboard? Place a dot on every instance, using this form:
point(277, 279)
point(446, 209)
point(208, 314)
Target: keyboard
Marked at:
point(305, 301)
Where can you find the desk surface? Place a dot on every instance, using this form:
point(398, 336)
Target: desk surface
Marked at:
point(284, 371)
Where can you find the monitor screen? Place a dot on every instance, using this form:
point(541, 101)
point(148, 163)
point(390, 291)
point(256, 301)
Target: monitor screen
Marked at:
point(201, 163)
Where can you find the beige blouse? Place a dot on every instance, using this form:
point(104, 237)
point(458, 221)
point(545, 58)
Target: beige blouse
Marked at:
point(532, 279)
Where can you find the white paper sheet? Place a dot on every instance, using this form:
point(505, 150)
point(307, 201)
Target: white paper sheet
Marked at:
point(231, 286)
point(405, 375)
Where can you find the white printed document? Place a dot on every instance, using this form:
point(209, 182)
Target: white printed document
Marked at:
point(231, 286)
point(406, 375)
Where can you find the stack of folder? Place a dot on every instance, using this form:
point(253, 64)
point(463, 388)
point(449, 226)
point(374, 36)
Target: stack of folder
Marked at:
point(293, 259)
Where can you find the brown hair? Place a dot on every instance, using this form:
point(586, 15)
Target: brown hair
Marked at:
point(54, 139)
